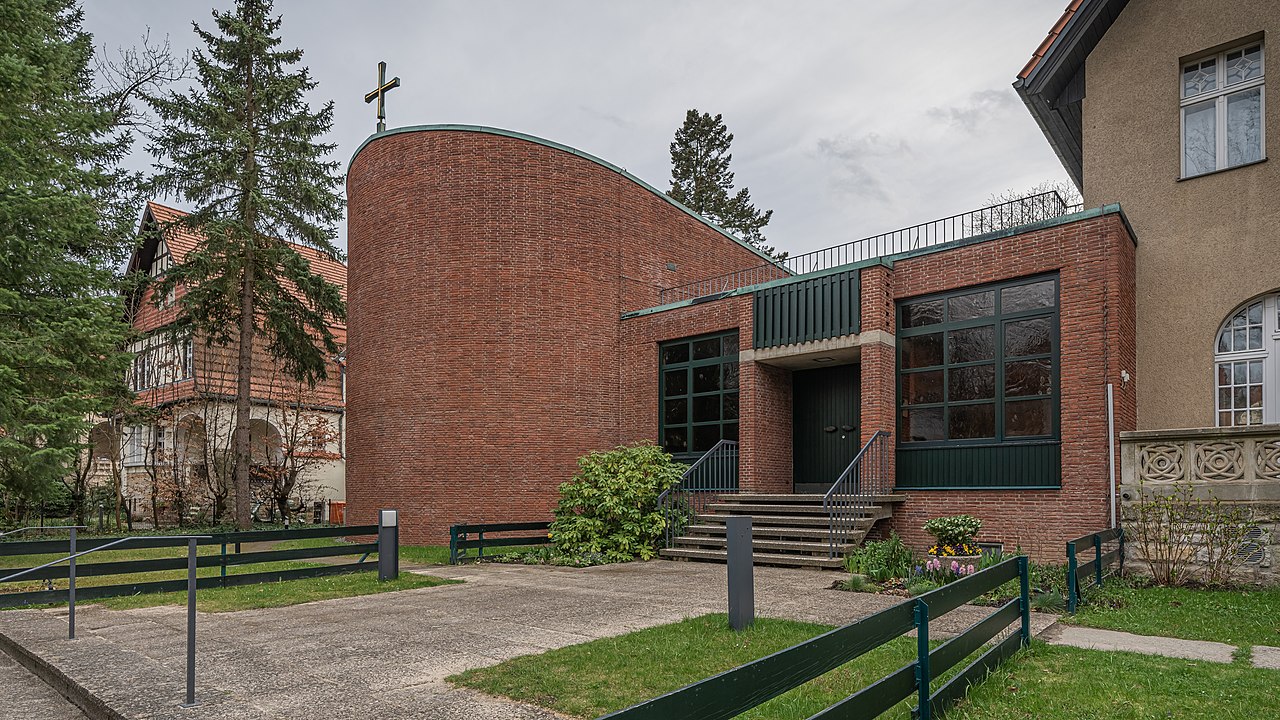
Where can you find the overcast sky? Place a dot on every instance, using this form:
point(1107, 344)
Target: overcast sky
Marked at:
point(849, 118)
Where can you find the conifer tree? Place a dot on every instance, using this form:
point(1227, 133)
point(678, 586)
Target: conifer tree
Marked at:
point(701, 179)
point(242, 146)
point(64, 227)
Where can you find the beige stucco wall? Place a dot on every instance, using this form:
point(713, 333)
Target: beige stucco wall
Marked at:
point(1205, 244)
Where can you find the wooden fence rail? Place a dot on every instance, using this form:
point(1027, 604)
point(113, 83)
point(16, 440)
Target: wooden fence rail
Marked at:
point(738, 690)
point(1079, 573)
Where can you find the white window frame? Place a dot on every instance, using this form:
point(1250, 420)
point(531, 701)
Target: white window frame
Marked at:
point(1219, 96)
point(1269, 354)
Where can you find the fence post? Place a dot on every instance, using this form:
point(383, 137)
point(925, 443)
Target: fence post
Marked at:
point(1024, 575)
point(1072, 590)
point(388, 545)
point(1120, 570)
point(453, 544)
point(71, 588)
point(191, 623)
point(1097, 558)
point(922, 658)
point(742, 602)
point(222, 562)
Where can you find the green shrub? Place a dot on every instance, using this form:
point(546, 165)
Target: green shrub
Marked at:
point(609, 509)
point(882, 560)
point(859, 583)
point(920, 587)
point(954, 531)
point(1048, 601)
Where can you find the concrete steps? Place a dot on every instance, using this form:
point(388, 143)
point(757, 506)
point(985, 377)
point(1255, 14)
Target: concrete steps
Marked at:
point(787, 530)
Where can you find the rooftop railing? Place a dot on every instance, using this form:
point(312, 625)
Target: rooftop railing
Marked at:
point(1011, 214)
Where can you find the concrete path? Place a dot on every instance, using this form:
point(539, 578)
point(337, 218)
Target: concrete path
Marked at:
point(1265, 656)
point(387, 655)
point(1115, 641)
point(23, 695)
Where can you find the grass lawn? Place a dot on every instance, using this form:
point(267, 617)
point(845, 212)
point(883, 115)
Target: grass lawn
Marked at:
point(605, 675)
point(1235, 617)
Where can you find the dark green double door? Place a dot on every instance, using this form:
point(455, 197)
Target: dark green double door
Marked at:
point(824, 425)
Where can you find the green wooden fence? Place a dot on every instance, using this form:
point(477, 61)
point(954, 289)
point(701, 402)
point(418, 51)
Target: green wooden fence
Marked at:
point(229, 556)
point(735, 691)
point(459, 543)
point(1078, 573)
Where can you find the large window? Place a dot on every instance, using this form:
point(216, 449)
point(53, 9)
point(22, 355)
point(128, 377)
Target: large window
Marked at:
point(698, 386)
point(1247, 364)
point(979, 366)
point(1222, 110)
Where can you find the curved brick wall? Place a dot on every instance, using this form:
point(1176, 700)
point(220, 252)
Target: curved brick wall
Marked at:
point(487, 274)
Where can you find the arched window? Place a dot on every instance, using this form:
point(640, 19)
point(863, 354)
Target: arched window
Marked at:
point(1247, 364)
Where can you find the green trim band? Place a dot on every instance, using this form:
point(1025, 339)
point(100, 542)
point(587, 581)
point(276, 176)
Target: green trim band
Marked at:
point(563, 148)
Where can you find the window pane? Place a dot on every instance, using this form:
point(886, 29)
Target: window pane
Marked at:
point(1200, 77)
point(923, 424)
point(1224, 399)
point(968, 307)
point(1255, 371)
point(706, 409)
point(1028, 417)
point(730, 432)
point(1244, 127)
point(973, 421)
point(971, 344)
point(1028, 377)
point(706, 378)
point(1027, 297)
point(922, 313)
point(675, 353)
point(1244, 65)
point(1199, 138)
point(705, 437)
point(675, 440)
point(729, 345)
point(675, 412)
point(676, 382)
point(922, 387)
point(922, 350)
point(706, 349)
point(731, 406)
point(976, 382)
point(1028, 337)
point(730, 375)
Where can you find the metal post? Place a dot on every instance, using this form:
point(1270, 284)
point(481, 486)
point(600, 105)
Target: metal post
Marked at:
point(388, 545)
point(71, 588)
point(742, 600)
point(922, 658)
point(191, 623)
point(1072, 590)
point(1024, 575)
point(1097, 558)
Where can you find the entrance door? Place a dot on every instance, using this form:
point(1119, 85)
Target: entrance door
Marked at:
point(824, 425)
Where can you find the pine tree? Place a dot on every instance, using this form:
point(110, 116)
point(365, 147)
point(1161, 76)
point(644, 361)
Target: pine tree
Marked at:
point(701, 179)
point(242, 146)
point(63, 230)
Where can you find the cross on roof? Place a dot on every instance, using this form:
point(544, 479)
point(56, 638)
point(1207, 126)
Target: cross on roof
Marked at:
point(383, 88)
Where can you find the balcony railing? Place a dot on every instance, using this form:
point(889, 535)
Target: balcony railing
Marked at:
point(1014, 213)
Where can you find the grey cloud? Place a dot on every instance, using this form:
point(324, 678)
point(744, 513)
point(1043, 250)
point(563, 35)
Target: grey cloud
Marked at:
point(981, 106)
point(856, 160)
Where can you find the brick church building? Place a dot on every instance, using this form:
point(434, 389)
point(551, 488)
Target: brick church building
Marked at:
point(516, 303)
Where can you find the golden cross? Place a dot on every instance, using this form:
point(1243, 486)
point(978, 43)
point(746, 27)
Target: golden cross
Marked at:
point(383, 88)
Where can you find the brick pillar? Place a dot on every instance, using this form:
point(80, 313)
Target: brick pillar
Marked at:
point(879, 409)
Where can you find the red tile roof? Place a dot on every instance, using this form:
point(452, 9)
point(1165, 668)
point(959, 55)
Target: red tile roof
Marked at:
point(1054, 32)
point(182, 241)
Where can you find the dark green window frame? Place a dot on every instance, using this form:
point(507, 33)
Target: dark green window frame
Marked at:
point(953, 311)
point(698, 393)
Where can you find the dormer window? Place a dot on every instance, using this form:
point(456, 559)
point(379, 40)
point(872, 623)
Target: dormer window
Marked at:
point(163, 261)
point(1222, 110)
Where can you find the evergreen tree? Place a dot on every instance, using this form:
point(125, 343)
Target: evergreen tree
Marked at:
point(242, 146)
point(701, 179)
point(64, 227)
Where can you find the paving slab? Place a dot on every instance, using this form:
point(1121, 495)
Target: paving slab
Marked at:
point(387, 655)
point(23, 695)
point(1265, 656)
point(1113, 640)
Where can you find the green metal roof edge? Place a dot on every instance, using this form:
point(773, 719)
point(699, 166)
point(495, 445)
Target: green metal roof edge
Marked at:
point(450, 127)
point(889, 260)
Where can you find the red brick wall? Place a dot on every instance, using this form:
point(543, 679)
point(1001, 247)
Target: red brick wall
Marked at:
point(487, 277)
point(1094, 259)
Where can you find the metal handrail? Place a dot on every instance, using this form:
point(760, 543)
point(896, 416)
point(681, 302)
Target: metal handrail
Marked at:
point(1002, 216)
point(721, 481)
point(856, 488)
point(192, 540)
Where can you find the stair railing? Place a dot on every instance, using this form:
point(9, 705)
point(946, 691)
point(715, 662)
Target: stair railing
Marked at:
point(855, 491)
point(715, 473)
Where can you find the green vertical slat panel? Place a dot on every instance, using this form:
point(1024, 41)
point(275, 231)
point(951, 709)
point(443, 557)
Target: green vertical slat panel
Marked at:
point(1026, 465)
point(807, 310)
